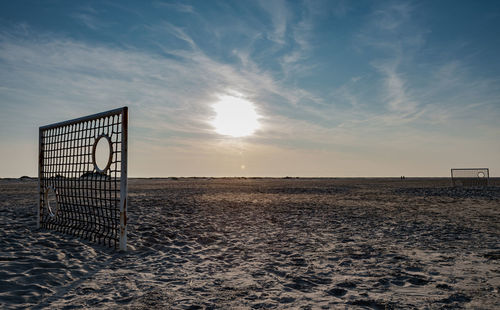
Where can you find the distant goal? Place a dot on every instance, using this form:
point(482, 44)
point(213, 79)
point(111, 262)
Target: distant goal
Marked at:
point(80, 192)
point(470, 176)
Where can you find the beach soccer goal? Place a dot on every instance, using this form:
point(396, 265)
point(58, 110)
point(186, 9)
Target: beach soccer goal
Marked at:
point(82, 177)
point(470, 176)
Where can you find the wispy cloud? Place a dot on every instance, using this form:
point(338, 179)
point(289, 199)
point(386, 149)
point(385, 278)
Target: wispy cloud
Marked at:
point(397, 97)
point(88, 20)
point(293, 61)
point(180, 34)
point(278, 13)
point(180, 7)
point(88, 16)
point(167, 93)
point(393, 16)
point(390, 33)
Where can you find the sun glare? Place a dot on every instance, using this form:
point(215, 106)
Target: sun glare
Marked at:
point(235, 116)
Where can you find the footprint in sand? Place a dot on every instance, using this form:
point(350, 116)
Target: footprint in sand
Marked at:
point(337, 292)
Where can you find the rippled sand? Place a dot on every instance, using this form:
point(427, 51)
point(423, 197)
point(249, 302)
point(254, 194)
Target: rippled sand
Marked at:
point(264, 243)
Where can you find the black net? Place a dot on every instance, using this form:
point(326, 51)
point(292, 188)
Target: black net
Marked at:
point(470, 176)
point(77, 196)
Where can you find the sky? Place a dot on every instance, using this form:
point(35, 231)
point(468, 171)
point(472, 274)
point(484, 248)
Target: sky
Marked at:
point(336, 88)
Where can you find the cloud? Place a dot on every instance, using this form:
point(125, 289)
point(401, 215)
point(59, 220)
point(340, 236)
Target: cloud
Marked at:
point(180, 7)
point(88, 16)
point(293, 61)
point(391, 34)
point(397, 97)
point(88, 20)
point(58, 78)
point(278, 12)
point(393, 16)
point(180, 34)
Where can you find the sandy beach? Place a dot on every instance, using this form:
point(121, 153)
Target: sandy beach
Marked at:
point(264, 243)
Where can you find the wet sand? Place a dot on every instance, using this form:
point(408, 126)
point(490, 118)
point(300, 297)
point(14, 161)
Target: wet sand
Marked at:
point(264, 243)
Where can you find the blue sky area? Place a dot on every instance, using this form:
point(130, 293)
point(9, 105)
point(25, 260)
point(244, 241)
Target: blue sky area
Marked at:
point(343, 88)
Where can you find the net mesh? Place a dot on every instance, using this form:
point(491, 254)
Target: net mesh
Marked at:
point(87, 196)
point(470, 176)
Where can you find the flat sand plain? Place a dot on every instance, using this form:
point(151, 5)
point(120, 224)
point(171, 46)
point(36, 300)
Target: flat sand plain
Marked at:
point(264, 243)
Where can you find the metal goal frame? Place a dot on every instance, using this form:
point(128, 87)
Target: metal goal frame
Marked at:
point(470, 176)
point(91, 201)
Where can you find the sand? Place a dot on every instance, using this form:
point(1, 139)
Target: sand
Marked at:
point(264, 243)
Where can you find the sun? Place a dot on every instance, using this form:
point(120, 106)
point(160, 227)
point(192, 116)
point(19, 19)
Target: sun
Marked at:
point(235, 116)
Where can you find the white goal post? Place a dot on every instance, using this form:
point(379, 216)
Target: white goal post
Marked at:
point(470, 176)
point(76, 195)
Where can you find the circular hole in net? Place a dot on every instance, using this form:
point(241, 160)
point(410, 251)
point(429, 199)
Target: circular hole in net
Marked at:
point(102, 153)
point(481, 175)
point(51, 201)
